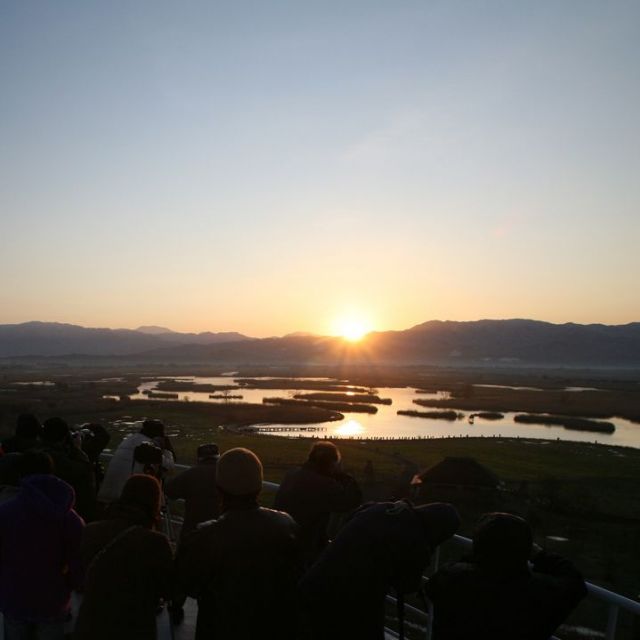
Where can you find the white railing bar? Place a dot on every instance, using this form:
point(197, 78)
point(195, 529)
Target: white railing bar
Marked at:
point(465, 542)
point(614, 599)
point(436, 559)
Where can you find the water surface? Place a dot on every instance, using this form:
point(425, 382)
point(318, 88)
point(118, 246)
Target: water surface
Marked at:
point(387, 424)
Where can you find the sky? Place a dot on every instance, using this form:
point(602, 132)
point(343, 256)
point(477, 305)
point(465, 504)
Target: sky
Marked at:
point(278, 166)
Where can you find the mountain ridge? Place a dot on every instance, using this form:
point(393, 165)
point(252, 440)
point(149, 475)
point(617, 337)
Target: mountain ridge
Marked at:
point(37, 338)
point(450, 343)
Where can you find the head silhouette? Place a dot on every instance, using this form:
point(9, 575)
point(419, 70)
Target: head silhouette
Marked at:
point(502, 542)
point(324, 457)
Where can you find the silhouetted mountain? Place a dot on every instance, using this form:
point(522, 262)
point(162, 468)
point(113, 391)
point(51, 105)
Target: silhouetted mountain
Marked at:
point(153, 330)
point(484, 342)
point(519, 341)
point(206, 337)
point(57, 339)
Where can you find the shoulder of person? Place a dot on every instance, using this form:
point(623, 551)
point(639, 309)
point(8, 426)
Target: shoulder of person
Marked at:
point(292, 474)
point(280, 517)
point(99, 529)
point(201, 540)
point(200, 471)
point(156, 539)
point(205, 529)
point(74, 520)
point(179, 480)
point(147, 543)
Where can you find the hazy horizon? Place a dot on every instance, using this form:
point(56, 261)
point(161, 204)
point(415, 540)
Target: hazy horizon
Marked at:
point(272, 167)
point(299, 331)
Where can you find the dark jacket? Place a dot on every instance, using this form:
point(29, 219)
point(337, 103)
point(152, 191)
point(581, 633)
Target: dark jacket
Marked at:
point(473, 602)
point(197, 486)
point(72, 465)
point(123, 585)
point(310, 497)
point(383, 546)
point(19, 444)
point(39, 550)
point(243, 568)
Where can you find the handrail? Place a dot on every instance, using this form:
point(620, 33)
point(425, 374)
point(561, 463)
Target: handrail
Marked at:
point(600, 593)
point(614, 600)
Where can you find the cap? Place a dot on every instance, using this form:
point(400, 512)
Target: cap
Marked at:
point(239, 472)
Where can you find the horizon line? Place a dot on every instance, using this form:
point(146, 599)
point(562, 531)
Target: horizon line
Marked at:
point(302, 333)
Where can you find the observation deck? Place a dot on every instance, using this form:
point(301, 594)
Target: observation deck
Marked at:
point(418, 618)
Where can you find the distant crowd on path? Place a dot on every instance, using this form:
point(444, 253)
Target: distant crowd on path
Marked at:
point(317, 566)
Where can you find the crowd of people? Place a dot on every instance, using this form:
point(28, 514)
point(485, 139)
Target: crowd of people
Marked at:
point(318, 565)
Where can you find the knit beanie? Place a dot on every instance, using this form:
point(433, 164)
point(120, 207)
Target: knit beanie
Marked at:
point(142, 492)
point(239, 472)
point(503, 541)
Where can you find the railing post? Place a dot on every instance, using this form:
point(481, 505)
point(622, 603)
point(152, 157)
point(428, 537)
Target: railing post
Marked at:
point(430, 619)
point(612, 622)
point(436, 565)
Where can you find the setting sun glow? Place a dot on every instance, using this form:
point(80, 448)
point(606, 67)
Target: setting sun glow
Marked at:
point(352, 328)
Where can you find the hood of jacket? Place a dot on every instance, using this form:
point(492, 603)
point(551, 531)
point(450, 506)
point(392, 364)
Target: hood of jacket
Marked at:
point(47, 495)
point(440, 521)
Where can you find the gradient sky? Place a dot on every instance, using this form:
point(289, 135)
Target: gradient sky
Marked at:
point(269, 166)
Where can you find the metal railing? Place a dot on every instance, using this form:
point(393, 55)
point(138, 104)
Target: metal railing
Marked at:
point(614, 601)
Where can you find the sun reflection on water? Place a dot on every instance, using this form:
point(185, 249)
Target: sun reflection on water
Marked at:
point(350, 428)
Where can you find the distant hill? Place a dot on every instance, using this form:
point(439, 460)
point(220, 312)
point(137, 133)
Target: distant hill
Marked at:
point(57, 339)
point(519, 342)
point(479, 343)
point(206, 337)
point(153, 330)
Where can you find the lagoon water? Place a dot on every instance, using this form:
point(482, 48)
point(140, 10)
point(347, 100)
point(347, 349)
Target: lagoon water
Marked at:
point(387, 424)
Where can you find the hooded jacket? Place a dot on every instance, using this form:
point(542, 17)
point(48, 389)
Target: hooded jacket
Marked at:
point(125, 576)
point(72, 465)
point(39, 550)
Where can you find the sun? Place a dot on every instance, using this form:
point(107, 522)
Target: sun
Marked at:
point(352, 328)
point(353, 331)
